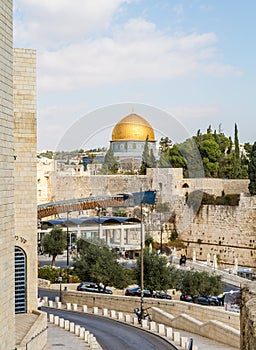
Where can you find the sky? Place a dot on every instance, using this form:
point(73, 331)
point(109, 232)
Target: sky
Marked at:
point(182, 65)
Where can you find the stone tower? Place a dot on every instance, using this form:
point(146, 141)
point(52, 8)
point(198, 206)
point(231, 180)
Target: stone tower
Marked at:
point(25, 177)
point(7, 322)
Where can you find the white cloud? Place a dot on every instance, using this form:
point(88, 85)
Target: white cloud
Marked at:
point(135, 51)
point(74, 54)
point(53, 23)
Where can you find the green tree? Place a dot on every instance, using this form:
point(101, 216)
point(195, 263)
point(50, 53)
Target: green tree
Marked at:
point(152, 159)
point(110, 165)
point(54, 243)
point(165, 144)
point(195, 282)
point(156, 272)
point(252, 171)
point(145, 159)
point(236, 156)
point(99, 264)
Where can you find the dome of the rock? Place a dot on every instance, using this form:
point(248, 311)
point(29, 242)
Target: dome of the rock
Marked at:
point(133, 127)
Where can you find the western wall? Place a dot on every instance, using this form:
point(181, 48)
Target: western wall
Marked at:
point(227, 231)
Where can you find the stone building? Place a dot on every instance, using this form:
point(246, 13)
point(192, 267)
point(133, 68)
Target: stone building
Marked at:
point(25, 193)
point(18, 214)
point(7, 320)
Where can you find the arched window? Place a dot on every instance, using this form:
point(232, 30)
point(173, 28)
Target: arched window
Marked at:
point(20, 281)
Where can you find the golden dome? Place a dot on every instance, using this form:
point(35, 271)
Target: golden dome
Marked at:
point(133, 127)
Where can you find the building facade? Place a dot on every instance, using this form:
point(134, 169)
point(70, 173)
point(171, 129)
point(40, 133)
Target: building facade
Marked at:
point(25, 177)
point(7, 320)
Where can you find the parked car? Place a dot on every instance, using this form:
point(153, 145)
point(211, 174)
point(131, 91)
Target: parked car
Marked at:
point(186, 297)
point(136, 292)
point(206, 300)
point(92, 287)
point(160, 295)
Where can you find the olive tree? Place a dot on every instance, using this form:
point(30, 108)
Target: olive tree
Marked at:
point(156, 272)
point(54, 243)
point(99, 264)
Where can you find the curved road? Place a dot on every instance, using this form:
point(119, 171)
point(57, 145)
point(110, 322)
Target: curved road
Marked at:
point(112, 334)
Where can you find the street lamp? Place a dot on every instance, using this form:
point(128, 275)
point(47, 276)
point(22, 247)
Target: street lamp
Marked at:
point(67, 240)
point(161, 238)
point(141, 261)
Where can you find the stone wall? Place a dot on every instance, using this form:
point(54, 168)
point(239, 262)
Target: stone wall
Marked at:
point(173, 307)
point(229, 231)
point(6, 178)
point(224, 230)
point(169, 182)
point(248, 316)
point(25, 150)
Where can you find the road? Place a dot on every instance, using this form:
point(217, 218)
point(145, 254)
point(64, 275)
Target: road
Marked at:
point(112, 334)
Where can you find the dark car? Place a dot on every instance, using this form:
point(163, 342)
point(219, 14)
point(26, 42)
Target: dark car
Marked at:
point(186, 297)
point(160, 295)
point(136, 292)
point(206, 300)
point(92, 287)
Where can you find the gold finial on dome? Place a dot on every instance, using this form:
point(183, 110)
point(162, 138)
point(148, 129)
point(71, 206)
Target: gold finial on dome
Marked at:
point(132, 108)
point(133, 127)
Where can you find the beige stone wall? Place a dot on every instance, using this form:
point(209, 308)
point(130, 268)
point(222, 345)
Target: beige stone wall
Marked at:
point(224, 230)
point(173, 307)
point(44, 167)
point(69, 187)
point(6, 179)
point(25, 150)
point(248, 316)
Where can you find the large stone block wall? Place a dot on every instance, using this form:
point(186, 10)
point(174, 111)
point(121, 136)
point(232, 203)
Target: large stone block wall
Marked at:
point(25, 150)
point(217, 186)
point(229, 231)
point(69, 187)
point(248, 316)
point(7, 328)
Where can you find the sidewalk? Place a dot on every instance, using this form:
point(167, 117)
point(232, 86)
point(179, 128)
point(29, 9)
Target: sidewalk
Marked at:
point(60, 338)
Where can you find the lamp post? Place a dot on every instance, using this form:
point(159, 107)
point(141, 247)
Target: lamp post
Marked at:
point(60, 280)
point(141, 261)
point(67, 242)
point(161, 238)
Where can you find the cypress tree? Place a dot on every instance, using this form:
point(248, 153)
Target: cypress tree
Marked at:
point(236, 156)
point(252, 171)
point(145, 159)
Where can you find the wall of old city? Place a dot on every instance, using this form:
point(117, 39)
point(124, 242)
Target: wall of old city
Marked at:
point(169, 182)
point(7, 323)
point(229, 231)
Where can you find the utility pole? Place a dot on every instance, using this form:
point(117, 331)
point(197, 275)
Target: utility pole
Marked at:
point(141, 260)
point(67, 243)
